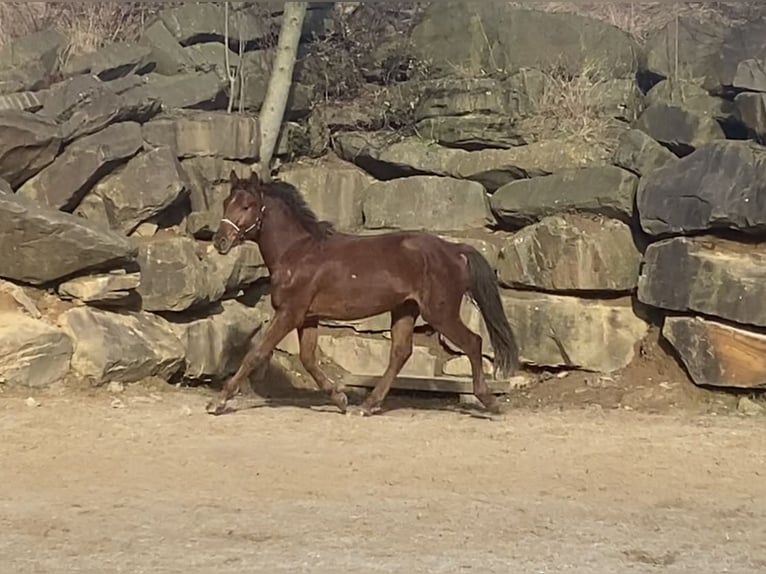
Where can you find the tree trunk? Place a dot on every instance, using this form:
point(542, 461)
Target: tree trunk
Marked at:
point(273, 109)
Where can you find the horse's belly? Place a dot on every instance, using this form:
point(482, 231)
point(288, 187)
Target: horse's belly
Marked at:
point(357, 299)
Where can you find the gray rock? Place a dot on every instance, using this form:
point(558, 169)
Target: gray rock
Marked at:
point(743, 42)
point(206, 134)
point(716, 277)
point(32, 352)
point(570, 252)
point(751, 110)
point(587, 334)
point(22, 101)
point(751, 75)
point(189, 90)
point(681, 129)
point(194, 23)
point(28, 144)
point(40, 245)
point(122, 347)
point(334, 190)
point(29, 61)
point(166, 52)
point(718, 355)
point(720, 186)
point(369, 357)
point(426, 202)
point(445, 39)
point(639, 153)
point(174, 276)
point(5, 187)
point(113, 288)
point(66, 96)
point(104, 109)
point(493, 168)
point(690, 95)
point(63, 184)
point(242, 266)
point(748, 407)
point(216, 343)
point(607, 191)
point(111, 61)
point(146, 186)
point(699, 42)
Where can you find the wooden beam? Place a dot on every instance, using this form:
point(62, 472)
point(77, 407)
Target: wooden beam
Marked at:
point(442, 384)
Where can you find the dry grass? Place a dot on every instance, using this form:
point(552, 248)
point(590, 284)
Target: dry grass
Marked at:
point(87, 25)
point(641, 18)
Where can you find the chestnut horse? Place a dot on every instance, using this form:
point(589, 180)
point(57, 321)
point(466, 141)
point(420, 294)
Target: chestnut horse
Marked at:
point(320, 273)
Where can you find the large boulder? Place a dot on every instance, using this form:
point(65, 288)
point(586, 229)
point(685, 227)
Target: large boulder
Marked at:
point(719, 186)
point(193, 23)
point(63, 184)
point(744, 42)
point(751, 110)
point(168, 55)
point(32, 352)
point(588, 334)
point(690, 95)
point(146, 186)
point(426, 203)
point(493, 168)
point(570, 252)
point(679, 128)
point(111, 61)
point(28, 144)
point(256, 71)
point(641, 154)
point(40, 245)
point(716, 277)
point(123, 347)
point(27, 63)
point(174, 276)
point(606, 190)
point(103, 109)
point(333, 189)
point(751, 75)
point(369, 357)
point(216, 342)
point(206, 90)
point(718, 355)
point(202, 134)
point(489, 36)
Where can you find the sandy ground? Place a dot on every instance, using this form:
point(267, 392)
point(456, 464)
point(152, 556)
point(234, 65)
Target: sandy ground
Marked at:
point(150, 483)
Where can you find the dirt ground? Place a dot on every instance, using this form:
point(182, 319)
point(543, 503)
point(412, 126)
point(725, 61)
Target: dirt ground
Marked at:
point(583, 474)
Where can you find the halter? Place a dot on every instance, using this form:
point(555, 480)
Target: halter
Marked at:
point(243, 233)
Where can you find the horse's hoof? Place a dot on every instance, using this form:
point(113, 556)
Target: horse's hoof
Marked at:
point(358, 412)
point(341, 400)
point(492, 405)
point(215, 408)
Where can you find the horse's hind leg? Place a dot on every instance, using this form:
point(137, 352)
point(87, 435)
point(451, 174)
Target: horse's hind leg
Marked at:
point(402, 326)
point(308, 336)
point(451, 326)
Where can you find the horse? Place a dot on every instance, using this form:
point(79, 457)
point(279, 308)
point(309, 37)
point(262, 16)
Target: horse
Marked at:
point(319, 273)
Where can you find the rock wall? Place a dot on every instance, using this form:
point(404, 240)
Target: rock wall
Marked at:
point(112, 178)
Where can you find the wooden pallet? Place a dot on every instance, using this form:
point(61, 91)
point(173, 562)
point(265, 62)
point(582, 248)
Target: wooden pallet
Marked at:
point(441, 384)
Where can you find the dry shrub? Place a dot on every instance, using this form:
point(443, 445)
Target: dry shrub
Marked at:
point(641, 18)
point(569, 107)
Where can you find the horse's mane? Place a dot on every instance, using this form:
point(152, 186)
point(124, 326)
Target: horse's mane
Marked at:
point(292, 198)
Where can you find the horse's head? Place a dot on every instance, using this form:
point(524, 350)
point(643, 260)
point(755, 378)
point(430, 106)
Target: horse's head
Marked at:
point(242, 213)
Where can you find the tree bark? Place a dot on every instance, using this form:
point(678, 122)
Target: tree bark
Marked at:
point(280, 82)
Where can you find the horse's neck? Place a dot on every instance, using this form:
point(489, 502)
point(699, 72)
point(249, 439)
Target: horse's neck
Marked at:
point(279, 232)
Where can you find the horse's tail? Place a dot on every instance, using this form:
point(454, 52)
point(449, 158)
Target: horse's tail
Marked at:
point(483, 288)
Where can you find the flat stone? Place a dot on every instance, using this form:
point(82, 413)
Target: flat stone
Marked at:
point(607, 191)
point(63, 184)
point(690, 95)
point(369, 357)
point(216, 343)
point(103, 288)
point(641, 154)
point(751, 110)
point(717, 277)
point(681, 129)
point(426, 203)
point(22, 101)
point(334, 190)
point(123, 347)
point(40, 245)
point(111, 61)
point(27, 62)
point(751, 75)
point(146, 186)
point(104, 109)
point(194, 23)
point(570, 252)
point(561, 331)
point(206, 134)
point(719, 186)
point(699, 42)
point(32, 352)
point(461, 367)
point(169, 56)
point(28, 144)
point(744, 41)
point(489, 248)
point(204, 90)
point(718, 355)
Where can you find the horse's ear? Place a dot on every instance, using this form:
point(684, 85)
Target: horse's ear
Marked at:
point(233, 179)
point(255, 178)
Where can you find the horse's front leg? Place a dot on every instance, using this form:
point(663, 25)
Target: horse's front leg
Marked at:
point(261, 348)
